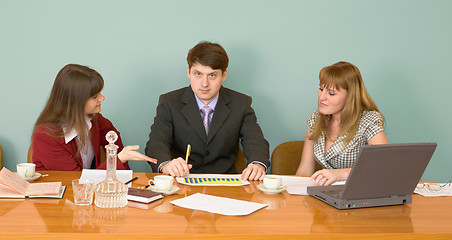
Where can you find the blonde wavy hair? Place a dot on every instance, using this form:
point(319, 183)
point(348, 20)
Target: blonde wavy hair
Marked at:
point(344, 75)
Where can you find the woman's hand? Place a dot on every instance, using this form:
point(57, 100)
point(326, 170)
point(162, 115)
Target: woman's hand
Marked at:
point(129, 153)
point(326, 177)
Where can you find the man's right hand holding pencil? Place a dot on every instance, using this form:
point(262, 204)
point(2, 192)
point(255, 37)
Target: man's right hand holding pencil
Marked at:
point(178, 167)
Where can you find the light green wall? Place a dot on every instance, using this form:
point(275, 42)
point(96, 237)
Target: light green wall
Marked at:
point(276, 49)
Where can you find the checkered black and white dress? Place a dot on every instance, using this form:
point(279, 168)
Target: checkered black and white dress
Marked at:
point(337, 156)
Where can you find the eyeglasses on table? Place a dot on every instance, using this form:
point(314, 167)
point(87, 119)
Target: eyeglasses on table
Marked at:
point(433, 186)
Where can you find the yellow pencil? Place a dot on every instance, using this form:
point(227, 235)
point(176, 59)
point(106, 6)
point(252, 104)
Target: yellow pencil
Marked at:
point(188, 153)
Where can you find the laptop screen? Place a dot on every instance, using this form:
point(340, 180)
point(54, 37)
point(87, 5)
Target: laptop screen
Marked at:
point(387, 170)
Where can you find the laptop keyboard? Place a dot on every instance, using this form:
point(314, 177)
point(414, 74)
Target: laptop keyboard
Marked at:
point(333, 193)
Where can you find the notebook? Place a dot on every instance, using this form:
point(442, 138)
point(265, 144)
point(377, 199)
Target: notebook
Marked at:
point(382, 175)
point(143, 195)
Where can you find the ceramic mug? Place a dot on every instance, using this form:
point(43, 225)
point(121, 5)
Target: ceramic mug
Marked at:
point(272, 182)
point(162, 182)
point(26, 170)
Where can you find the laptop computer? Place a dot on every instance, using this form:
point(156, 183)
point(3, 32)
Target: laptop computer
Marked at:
point(382, 175)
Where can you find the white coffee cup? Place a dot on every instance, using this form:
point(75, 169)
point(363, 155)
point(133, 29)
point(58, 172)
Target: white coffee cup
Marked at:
point(162, 182)
point(26, 170)
point(272, 182)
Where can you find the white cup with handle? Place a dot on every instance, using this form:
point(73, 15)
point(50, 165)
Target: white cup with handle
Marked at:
point(26, 170)
point(272, 182)
point(162, 182)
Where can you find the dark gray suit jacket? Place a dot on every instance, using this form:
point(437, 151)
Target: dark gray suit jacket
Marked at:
point(178, 123)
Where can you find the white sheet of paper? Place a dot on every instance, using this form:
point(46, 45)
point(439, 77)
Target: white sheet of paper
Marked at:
point(299, 185)
point(181, 179)
point(100, 175)
point(219, 205)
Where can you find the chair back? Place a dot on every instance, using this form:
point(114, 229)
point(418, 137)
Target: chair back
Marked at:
point(103, 155)
point(1, 157)
point(286, 157)
point(240, 161)
point(30, 154)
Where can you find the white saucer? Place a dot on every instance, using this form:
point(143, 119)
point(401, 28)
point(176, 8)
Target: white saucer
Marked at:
point(173, 190)
point(271, 191)
point(36, 176)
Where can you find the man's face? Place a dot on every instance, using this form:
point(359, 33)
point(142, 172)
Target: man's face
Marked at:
point(205, 81)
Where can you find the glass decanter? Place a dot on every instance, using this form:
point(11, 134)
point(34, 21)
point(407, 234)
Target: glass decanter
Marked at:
point(111, 193)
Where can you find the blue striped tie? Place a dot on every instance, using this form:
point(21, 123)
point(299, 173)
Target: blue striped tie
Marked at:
point(206, 110)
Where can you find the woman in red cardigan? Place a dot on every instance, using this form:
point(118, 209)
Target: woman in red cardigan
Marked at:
point(70, 130)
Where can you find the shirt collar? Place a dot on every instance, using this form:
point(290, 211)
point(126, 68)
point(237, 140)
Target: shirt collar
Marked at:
point(71, 134)
point(211, 105)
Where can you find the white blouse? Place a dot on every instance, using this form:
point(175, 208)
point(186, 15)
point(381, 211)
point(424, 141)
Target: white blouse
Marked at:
point(87, 152)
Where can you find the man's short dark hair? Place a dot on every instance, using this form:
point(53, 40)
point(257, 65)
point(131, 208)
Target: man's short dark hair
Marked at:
point(208, 54)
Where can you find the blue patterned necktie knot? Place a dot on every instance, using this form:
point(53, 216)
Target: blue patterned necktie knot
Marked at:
point(206, 110)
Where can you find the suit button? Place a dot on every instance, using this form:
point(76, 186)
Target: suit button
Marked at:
point(207, 153)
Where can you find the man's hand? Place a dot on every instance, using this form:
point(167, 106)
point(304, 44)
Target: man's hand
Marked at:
point(177, 168)
point(254, 171)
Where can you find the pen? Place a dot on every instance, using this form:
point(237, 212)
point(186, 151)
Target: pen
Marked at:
point(131, 180)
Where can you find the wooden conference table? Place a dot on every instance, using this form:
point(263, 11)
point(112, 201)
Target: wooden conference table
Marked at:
point(287, 217)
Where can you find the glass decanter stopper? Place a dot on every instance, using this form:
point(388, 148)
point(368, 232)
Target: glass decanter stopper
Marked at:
point(111, 193)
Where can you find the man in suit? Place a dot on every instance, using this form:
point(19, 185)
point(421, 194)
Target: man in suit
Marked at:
point(209, 117)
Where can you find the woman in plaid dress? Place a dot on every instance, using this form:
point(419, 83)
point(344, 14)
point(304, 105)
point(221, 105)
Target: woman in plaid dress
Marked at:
point(347, 118)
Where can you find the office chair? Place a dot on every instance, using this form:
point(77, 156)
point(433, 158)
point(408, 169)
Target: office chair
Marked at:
point(286, 157)
point(1, 157)
point(30, 154)
point(103, 154)
point(240, 161)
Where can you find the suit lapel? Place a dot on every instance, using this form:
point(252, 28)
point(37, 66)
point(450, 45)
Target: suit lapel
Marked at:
point(191, 113)
point(220, 114)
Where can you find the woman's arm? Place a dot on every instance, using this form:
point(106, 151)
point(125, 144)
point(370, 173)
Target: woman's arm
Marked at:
point(50, 153)
point(307, 163)
point(329, 176)
point(379, 138)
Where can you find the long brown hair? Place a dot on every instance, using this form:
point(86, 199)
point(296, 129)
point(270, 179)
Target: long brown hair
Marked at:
point(72, 88)
point(344, 75)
